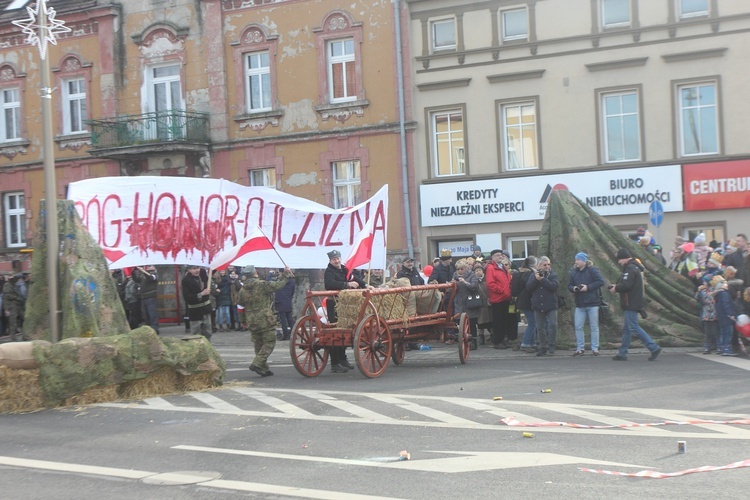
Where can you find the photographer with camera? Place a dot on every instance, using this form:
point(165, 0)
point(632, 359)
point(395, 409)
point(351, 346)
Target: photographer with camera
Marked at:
point(543, 286)
point(630, 288)
point(585, 284)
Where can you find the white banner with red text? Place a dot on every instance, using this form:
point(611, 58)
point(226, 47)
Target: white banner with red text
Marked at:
point(176, 220)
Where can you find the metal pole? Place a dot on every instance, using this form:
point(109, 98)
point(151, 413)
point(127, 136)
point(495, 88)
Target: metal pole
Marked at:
point(50, 192)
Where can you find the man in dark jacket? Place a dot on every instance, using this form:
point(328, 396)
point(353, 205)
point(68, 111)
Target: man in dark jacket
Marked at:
point(336, 277)
point(443, 273)
point(196, 296)
point(148, 281)
point(543, 287)
point(585, 284)
point(630, 288)
point(409, 271)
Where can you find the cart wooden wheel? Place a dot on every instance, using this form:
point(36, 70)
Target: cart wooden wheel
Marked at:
point(398, 352)
point(464, 338)
point(372, 346)
point(308, 357)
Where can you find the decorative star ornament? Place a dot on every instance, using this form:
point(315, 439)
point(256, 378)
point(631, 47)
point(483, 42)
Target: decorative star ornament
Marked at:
point(44, 32)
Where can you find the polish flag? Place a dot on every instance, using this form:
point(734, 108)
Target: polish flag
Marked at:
point(362, 248)
point(114, 254)
point(254, 242)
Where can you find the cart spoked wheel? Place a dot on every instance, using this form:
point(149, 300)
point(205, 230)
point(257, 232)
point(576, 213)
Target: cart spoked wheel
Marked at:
point(308, 357)
point(399, 350)
point(372, 346)
point(464, 338)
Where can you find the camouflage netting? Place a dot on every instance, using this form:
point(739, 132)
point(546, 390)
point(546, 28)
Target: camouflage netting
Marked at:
point(133, 365)
point(89, 301)
point(569, 227)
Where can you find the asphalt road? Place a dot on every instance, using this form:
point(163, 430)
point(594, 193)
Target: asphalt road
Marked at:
point(339, 436)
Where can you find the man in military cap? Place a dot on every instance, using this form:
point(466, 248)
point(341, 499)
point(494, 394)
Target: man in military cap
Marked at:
point(13, 304)
point(196, 295)
point(257, 298)
point(336, 277)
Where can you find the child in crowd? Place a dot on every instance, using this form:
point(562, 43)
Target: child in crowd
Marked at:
point(726, 315)
point(709, 323)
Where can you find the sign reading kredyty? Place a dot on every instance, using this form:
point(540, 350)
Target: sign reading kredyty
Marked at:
point(608, 192)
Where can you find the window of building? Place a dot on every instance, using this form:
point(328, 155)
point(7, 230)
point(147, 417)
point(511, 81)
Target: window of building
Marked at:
point(523, 246)
point(11, 123)
point(693, 8)
point(257, 81)
point(74, 106)
point(615, 13)
point(164, 100)
point(448, 148)
point(521, 147)
point(444, 34)
point(515, 24)
point(341, 68)
point(621, 123)
point(347, 184)
point(713, 232)
point(699, 130)
point(263, 177)
point(14, 210)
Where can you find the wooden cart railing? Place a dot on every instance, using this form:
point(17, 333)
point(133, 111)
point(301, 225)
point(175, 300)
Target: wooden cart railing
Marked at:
point(375, 336)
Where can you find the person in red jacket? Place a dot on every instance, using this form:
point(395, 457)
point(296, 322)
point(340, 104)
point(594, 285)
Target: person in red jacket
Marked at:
point(498, 286)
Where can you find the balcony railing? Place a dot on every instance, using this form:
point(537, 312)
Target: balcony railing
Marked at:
point(161, 126)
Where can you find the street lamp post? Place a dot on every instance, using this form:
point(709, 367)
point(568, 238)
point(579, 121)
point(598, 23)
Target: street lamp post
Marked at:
point(41, 28)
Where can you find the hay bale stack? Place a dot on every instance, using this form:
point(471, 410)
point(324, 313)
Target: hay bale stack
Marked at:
point(20, 390)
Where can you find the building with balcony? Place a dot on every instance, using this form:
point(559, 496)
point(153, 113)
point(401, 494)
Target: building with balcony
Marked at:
point(301, 96)
point(623, 102)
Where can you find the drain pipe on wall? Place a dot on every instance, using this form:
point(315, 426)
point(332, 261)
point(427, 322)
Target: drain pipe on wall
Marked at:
point(402, 126)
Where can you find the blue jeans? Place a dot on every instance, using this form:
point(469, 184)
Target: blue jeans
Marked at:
point(592, 313)
point(725, 338)
point(529, 335)
point(546, 329)
point(148, 310)
point(222, 316)
point(629, 327)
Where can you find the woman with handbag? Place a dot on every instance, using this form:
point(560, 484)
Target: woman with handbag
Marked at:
point(467, 299)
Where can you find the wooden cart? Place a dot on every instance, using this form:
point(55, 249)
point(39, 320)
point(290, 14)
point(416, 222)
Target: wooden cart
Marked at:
point(374, 339)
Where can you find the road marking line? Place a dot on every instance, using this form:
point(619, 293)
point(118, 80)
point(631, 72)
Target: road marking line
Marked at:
point(282, 406)
point(158, 404)
point(421, 410)
point(214, 402)
point(725, 360)
point(216, 483)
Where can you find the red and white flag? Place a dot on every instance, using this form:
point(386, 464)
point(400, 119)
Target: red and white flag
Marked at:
point(361, 252)
point(254, 242)
point(114, 254)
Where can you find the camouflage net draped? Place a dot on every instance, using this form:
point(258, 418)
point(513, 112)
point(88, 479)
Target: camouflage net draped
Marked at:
point(569, 227)
point(75, 365)
point(89, 301)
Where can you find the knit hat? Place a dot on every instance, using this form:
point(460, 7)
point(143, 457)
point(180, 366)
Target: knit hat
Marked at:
point(640, 231)
point(582, 256)
point(700, 239)
point(687, 247)
point(622, 254)
point(716, 259)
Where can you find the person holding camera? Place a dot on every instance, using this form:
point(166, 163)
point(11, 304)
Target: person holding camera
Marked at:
point(543, 287)
point(630, 288)
point(585, 284)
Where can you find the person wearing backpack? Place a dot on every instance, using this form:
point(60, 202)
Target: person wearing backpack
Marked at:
point(630, 287)
point(585, 284)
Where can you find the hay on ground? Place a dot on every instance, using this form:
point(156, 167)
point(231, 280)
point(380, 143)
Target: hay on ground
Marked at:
point(20, 390)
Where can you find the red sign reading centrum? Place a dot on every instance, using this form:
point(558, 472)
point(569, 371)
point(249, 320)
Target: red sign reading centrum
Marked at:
point(716, 186)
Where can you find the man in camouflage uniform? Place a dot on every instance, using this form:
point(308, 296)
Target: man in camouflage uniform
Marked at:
point(13, 304)
point(257, 297)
